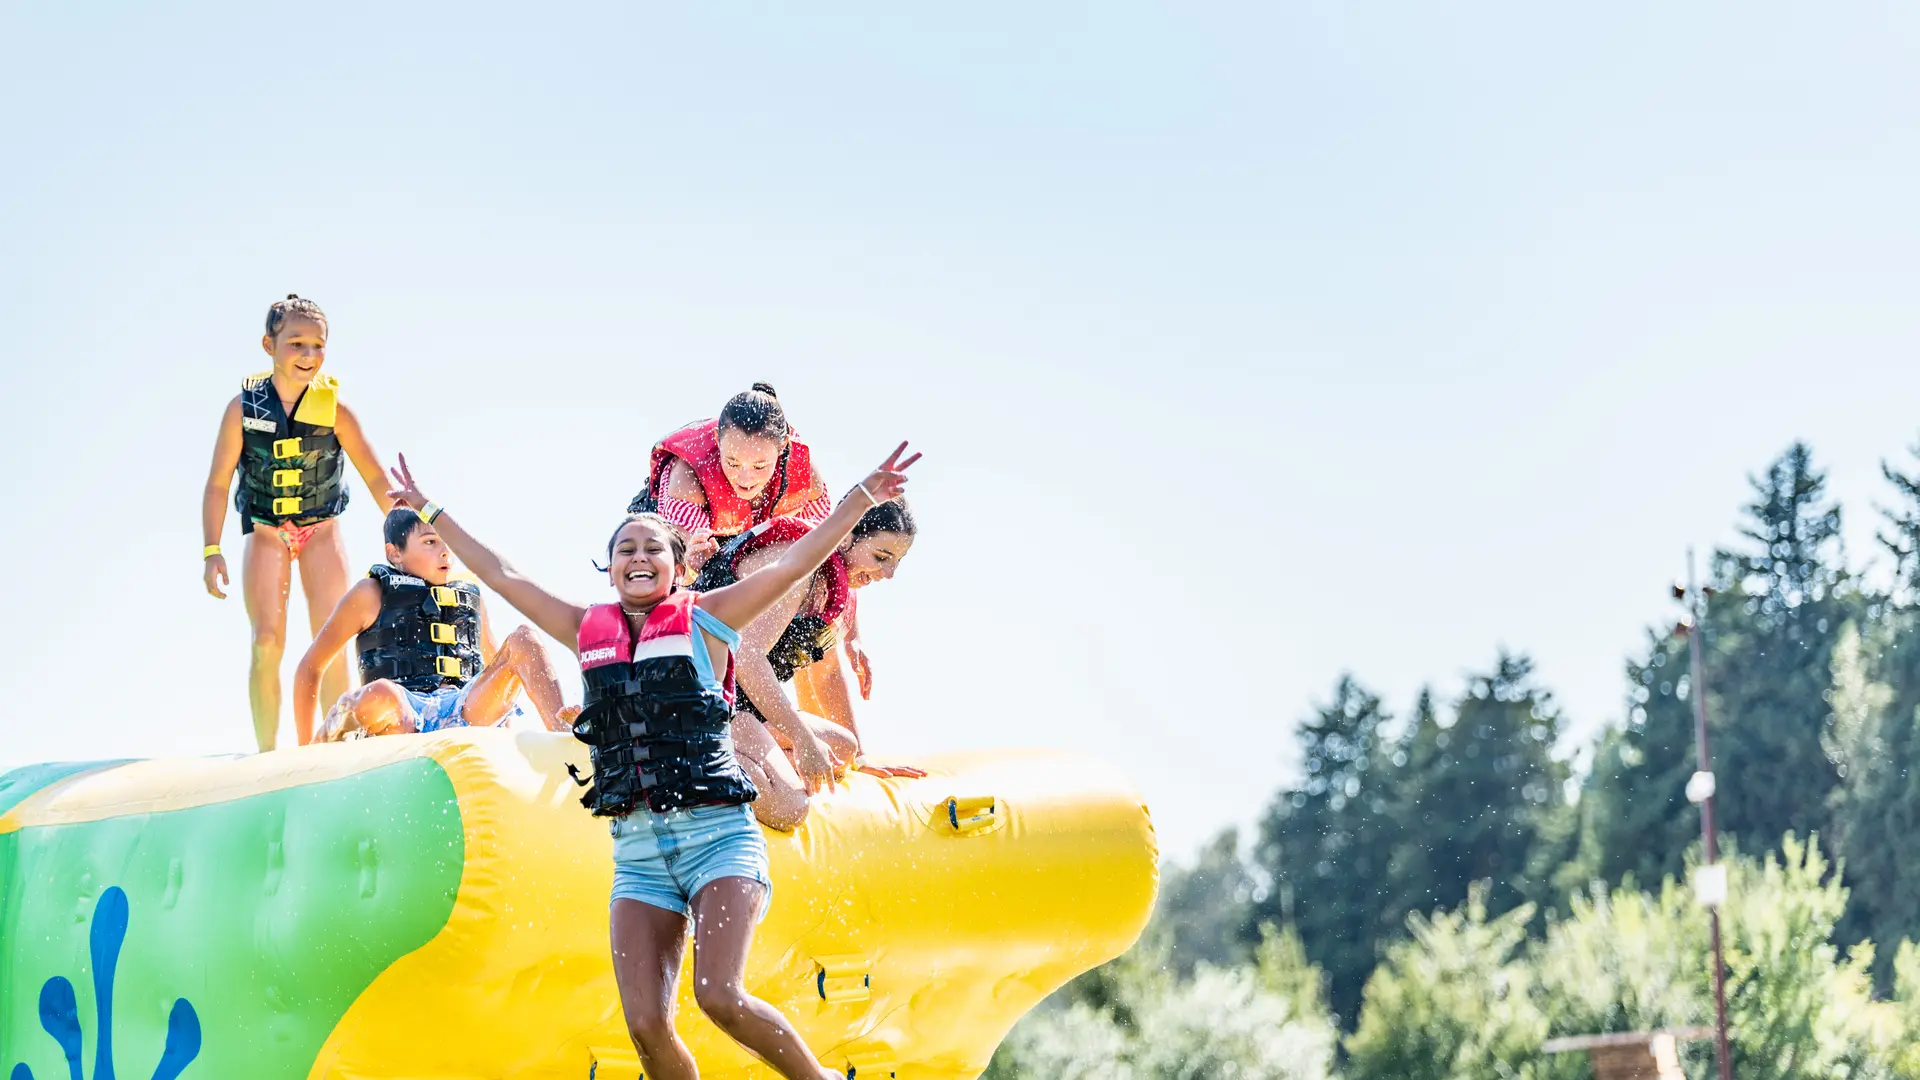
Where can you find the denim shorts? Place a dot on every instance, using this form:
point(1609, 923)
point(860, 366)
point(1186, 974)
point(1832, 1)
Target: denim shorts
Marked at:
point(441, 709)
point(666, 859)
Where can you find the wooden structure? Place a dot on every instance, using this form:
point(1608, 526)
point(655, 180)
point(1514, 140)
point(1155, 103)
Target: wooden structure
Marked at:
point(1632, 1055)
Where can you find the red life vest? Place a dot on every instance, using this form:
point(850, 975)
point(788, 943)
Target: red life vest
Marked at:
point(792, 486)
point(659, 736)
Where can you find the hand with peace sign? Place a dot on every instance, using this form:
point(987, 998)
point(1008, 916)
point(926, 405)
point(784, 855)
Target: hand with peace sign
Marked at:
point(889, 481)
point(404, 490)
point(740, 603)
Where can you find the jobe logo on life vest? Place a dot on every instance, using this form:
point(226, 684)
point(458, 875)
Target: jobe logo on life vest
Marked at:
point(599, 656)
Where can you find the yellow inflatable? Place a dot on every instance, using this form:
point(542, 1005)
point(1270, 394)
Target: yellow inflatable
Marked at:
point(435, 907)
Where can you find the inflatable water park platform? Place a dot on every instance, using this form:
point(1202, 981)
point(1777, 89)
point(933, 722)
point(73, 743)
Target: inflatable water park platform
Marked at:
point(434, 907)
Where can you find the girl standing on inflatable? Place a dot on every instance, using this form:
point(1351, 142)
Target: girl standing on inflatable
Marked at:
point(285, 436)
point(658, 666)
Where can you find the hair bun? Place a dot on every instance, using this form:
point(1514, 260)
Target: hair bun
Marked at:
point(293, 296)
point(765, 388)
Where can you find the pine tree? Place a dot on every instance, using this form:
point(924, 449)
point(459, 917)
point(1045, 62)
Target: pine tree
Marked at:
point(1206, 910)
point(1770, 668)
point(1480, 799)
point(1326, 843)
point(1635, 818)
point(1876, 706)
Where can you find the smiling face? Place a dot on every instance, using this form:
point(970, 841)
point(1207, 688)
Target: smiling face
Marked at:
point(641, 565)
point(875, 557)
point(748, 461)
point(425, 555)
point(298, 350)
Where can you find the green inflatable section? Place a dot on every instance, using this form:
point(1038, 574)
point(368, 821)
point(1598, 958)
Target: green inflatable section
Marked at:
point(266, 915)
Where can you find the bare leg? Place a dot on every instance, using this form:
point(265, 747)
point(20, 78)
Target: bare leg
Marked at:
point(724, 914)
point(648, 943)
point(323, 577)
point(378, 708)
point(266, 571)
point(783, 798)
point(520, 662)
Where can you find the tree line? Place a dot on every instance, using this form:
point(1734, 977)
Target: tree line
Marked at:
point(1440, 890)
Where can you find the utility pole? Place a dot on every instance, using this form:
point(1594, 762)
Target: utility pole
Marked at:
point(1710, 879)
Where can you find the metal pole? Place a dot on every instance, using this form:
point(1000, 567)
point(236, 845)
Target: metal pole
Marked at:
point(1708, 838)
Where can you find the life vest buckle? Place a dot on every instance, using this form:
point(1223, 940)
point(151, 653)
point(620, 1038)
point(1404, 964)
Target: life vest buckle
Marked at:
point(447, 666)
point(445, 596)
point(286, 478)
point(285, 507)
point(286, 448)
point(441, 633)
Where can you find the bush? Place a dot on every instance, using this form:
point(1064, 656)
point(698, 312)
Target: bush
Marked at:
point(1130, 1021)
point(1453, 1002)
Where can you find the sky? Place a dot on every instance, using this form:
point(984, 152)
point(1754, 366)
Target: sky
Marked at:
point(1247, 344)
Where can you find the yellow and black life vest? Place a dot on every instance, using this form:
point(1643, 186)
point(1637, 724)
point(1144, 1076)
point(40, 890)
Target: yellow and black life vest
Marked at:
point(291, 467)
point(427, 636)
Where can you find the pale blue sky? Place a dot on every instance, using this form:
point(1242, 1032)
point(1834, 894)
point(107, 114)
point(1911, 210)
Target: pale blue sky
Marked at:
point(1246, 344)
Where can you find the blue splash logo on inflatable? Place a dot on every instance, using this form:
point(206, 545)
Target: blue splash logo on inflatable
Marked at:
point(60, 1012)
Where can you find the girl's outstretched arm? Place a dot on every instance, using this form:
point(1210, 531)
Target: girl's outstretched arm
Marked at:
point(557, 617)
point(740, 603)
point(360, 452)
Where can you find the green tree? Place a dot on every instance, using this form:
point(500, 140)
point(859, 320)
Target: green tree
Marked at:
point(1470, 998)
point(1452, 1002)
point(1635, 821)
point(1326, 844)
point(1876, 708)
point(1481, 799)
point(1206, 911)
point(1626, 960)
point(1798, 1006)
point(1770, 672)
point(1256, 1021)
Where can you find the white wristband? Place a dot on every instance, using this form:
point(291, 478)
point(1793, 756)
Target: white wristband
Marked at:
point(868, 494)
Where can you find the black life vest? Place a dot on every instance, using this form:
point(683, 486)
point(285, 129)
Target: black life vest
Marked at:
point(811, 636)
point(660, 740)
point(427, 636)
point(291, 468)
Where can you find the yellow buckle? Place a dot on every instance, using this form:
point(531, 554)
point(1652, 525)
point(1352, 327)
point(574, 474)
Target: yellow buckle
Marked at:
point(286, 478)
point(447, 665)
point(440, 633)
point(284, 507)
point(286, 448)
point(445, 596)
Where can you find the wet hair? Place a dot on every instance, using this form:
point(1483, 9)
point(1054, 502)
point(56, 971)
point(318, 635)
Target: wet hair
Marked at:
point(677, 538)
point(401, 522)
point(755, 412)
point(892, 516)
point(294, 306)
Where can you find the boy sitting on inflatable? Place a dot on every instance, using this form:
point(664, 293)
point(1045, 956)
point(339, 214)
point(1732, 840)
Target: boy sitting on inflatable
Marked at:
point(427, 655)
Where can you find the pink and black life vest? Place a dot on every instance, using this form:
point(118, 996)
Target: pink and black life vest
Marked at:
point(658, 731)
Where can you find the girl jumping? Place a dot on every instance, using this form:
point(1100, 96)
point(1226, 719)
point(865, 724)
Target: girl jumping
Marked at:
point(658, 667)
